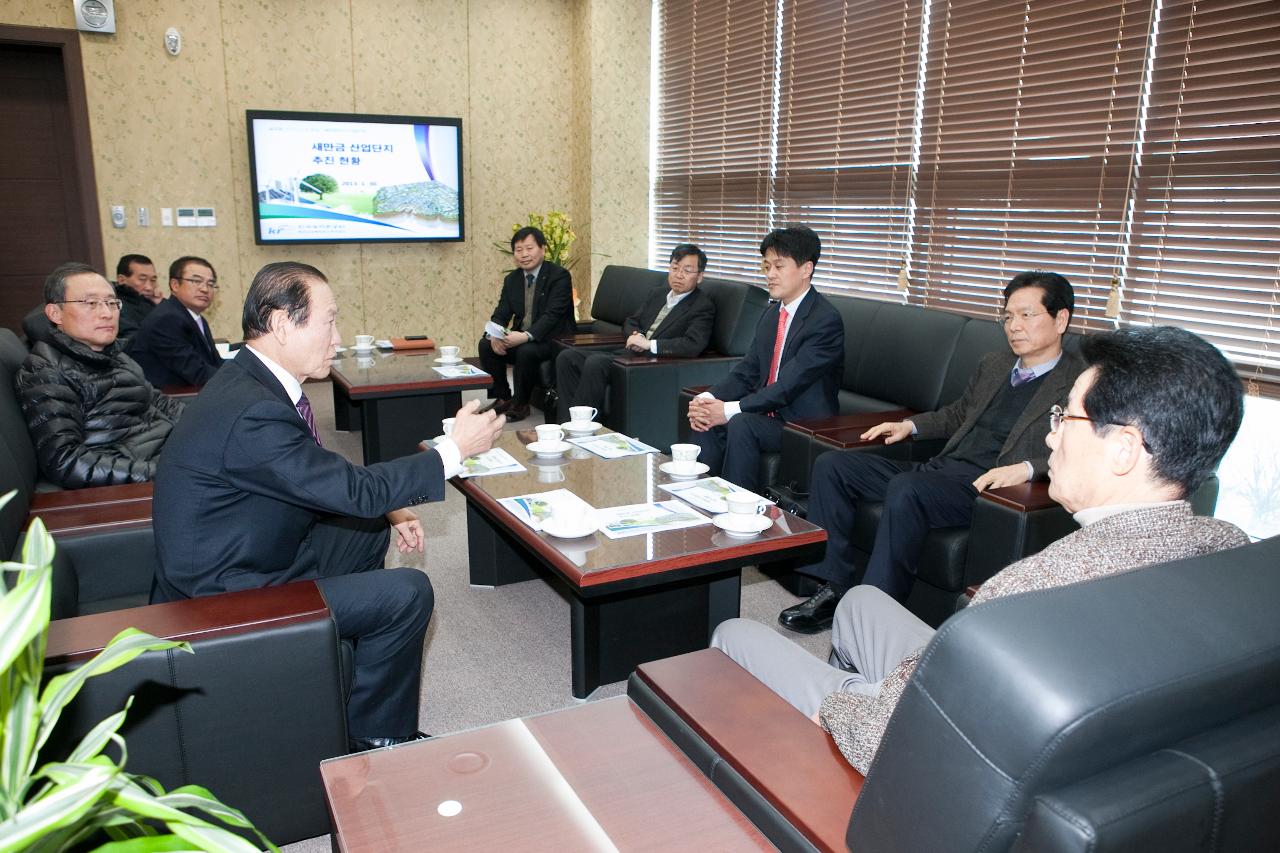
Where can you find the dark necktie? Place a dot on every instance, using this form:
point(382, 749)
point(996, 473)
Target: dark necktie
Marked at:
point(208, 337)
point(528, 300)
point(304, 409)
point(1021, 376)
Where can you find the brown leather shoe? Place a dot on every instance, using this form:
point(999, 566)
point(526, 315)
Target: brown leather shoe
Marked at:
point(516, 413)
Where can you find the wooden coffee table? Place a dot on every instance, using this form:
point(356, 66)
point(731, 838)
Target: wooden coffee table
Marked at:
point(635, 599)
point(599, 776)
point(395, 399)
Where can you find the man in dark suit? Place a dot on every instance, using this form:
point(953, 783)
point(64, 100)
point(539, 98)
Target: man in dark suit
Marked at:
point(136, 290)
point(675, 322)
point(791, 370)
point(174, 344)
point(995, 433)
point(536, 304)
point(246, 497)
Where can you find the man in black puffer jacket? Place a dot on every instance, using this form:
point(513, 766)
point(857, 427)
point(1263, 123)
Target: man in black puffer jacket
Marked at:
point(93, 418)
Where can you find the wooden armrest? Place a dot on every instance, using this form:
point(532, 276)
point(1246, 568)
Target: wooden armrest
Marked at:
point(695, 390)
point(180, 390)
point(861, 421)
point(194, 619)
point(95, 518)
point(97, 496)
point(971, 591)
point(591, 339)
point(1024, 497)
point(791, 762)
point(643, 360)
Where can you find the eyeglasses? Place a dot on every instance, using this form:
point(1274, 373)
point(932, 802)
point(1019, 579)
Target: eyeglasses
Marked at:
point(686, 272)
point(211, 283)
point(1024, 316)
point(95, 304)
point(1058, 414)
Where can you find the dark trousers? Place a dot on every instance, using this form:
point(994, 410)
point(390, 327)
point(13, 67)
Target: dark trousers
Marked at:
point(733, 450)
point(527, 359)
point(917, 497)
point(582, 378)
point(384, 612)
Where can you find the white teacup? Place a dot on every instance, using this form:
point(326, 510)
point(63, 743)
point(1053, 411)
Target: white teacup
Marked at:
point(365, 362)
point(550, 473)
point(364, 341)
point(451, 353)
point(743, 503)
point(583, 414)
point(549, 433)
point(685, 455)
point(446, 425)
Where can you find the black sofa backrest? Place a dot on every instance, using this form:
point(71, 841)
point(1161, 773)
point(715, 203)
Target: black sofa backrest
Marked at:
point(1085, 695)
point(14, 437)
point(620, 291)
point(905, 354)
point(738, 309)
point(977, 338)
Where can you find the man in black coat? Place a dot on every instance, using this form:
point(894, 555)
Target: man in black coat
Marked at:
point(174, 345)
point(674, 322)
point(136, 289)
point(94, 419)
point(536, 304)
point(246, 497)
point(791, 370)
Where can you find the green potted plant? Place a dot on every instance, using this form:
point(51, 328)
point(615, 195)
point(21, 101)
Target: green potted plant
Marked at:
point(52, 804)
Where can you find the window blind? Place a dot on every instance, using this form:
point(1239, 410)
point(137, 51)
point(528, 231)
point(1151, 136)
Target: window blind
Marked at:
point(1205, 247)
point(711, 181)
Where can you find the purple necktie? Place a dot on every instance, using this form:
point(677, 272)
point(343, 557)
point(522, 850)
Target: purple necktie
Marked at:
point(304, 409)
point(1021, 376)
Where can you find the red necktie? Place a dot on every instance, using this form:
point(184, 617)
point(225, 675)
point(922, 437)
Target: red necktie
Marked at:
point(777, 345)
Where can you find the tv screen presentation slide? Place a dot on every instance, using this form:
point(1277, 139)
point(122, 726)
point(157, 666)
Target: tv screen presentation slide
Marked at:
point(345, 178)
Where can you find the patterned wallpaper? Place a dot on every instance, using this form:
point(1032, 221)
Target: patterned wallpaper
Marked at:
point(546, 89)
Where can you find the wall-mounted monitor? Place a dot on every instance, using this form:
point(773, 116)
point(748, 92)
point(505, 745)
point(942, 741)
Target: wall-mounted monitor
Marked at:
point(341, 178)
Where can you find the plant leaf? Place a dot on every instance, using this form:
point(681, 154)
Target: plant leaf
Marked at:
point(124, 647)
point(24, 611)
point(60, 808)
point(146, 844)
point(100, 735)
point(214, 839)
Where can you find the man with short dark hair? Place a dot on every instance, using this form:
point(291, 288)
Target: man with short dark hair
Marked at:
point(673, 322)
point(174, 345)
point(995, 437)
point(136, 289)
point(93, 418)
point(791, 369)
point(535, 305)
point(246, 498)
point(1145, 425)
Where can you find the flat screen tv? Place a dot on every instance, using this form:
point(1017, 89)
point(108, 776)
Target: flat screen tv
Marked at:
point(340, 178)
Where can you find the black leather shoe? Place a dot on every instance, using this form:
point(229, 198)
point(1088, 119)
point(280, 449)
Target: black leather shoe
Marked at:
point(517, 413)
point(812, 615)
point(364, 744)
point(502, 406)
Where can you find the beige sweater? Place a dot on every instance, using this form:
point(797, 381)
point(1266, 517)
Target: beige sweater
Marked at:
point(1129, 540)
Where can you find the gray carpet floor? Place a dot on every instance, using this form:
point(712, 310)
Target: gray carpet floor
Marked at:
point(494, 654)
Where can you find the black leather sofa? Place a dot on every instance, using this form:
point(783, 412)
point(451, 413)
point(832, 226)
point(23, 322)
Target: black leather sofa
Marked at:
point(643, 389)
point(1136, 712)
point(250, 715)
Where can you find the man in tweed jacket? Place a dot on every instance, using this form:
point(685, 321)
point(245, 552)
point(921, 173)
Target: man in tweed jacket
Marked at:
point(995, 437)
point(1144, 426)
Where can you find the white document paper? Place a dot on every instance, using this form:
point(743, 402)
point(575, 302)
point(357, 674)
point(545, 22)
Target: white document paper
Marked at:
point(536, 508)
point(709, 493)
point(620, 521)
point(453, 371)
point(613, 445)
point(493, 330)
point(493, 461)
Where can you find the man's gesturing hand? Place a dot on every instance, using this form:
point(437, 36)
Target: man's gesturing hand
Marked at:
point(474, 433)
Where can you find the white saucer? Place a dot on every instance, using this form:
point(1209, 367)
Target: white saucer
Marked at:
point(579, 428)
point(369, 348)
point(443, 360)
point(547, 449)
point(737, 524)
point(677, 469)
point(573, 526)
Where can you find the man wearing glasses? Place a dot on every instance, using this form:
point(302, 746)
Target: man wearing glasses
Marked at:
point(1145, 425)
point(175, 346)
point(675, 322)
point(93, 417)
point(995, 437)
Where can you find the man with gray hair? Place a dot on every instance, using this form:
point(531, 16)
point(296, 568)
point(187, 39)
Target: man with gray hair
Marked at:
point(246, 497)
point(93, 418)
